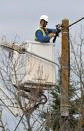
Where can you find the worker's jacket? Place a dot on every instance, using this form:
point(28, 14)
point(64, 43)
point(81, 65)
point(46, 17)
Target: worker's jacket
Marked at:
point(42, 36)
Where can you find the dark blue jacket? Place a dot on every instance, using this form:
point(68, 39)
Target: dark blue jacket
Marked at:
point(44, 39)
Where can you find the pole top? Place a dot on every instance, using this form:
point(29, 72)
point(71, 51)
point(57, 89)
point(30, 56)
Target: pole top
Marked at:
point(65, 22)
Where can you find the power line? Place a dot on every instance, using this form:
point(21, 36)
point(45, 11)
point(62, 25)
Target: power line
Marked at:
point(41, 57)
point(22, 50)
point(76, 22)
point(18, 122)
point(8, 108)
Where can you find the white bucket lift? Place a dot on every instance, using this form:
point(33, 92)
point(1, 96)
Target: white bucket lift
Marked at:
point(35, 68)
point(34, 64)
point(31, 69)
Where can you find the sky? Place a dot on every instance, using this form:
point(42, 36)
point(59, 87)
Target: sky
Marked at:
point(20, 18)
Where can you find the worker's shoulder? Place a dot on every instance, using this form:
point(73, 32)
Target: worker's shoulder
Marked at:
point(39, 30)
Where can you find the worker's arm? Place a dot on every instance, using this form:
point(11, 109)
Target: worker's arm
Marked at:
point(56, 31)
point(42, 38)
point(51, 30)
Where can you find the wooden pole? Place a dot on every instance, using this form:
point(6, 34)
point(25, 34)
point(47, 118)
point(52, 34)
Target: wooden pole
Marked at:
point(65, 65)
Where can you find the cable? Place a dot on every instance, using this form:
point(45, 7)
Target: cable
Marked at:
point(76, 22)
point(19, 122)
point(41, 57)
point(8, 108)
point(22, 50)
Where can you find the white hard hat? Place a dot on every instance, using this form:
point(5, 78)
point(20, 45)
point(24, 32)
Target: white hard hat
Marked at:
point(44, 17)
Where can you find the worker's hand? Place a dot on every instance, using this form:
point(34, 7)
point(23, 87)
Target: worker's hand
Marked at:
point(52, 35)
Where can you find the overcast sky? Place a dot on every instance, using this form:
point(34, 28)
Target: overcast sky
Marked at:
point(21, 17)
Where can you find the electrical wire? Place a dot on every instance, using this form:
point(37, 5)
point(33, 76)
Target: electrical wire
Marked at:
point(23, 51)
point(18, 122)
point(8, 108)
point(75, 22)
point(41, 57)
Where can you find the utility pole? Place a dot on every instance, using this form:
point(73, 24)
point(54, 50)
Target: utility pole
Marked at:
point(65, 74)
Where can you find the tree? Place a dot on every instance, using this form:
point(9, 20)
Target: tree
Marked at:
point(18, 101)
point(53, 116)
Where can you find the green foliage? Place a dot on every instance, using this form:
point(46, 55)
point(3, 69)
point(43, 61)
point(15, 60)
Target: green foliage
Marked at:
point(53, 116)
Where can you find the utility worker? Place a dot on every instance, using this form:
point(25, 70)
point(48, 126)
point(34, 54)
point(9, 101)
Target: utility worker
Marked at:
point(44, 34)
